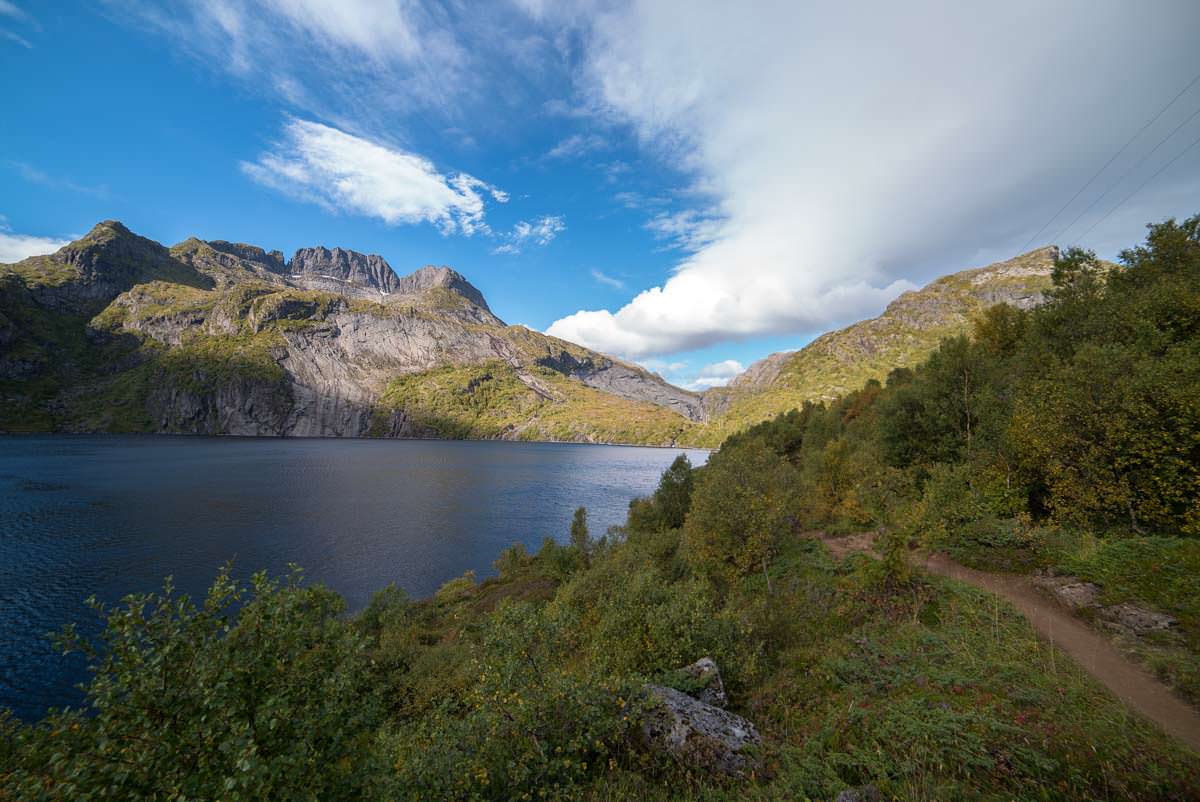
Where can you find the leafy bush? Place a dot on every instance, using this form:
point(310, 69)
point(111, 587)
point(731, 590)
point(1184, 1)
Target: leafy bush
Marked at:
point(258, 693)
point(527, 729)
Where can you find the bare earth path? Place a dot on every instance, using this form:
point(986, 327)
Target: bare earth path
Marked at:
point(1130, 683)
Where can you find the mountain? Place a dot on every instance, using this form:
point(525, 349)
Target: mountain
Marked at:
point(908, 330)
point(115, 332)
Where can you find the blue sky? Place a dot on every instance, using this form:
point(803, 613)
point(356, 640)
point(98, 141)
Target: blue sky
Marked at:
point(678, 183)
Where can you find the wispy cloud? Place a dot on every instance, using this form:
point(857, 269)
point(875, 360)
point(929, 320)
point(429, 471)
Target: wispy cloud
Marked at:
point(687, 230)
point(12, 11)
point(540, 231)
point(342, 172)
point(361, 64)
point(15, 247)
point(608, 280)
point(577, 145)
point(35, 176)
point(15, 14)
point(12, 37)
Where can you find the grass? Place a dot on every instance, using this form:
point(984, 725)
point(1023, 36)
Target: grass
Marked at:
point(1156, 573)
point(489, 400)
point(930, 690)
point(1160, 573)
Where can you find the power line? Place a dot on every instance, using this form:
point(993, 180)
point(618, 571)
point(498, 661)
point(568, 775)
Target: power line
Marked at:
point(1126, 174)
point(1112, 159)
point(1159, 172)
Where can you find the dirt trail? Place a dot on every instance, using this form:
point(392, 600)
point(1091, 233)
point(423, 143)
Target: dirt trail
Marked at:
point(1130, 683)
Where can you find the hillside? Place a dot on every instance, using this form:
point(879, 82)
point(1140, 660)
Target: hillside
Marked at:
point(115, 332)
point(979, 582)
point(909, 330)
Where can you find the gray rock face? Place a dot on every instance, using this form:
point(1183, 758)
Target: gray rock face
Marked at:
point(1136, 619)
point(763, 372)
point(271, 260)
point(343, 271)
point(1078, 595)
point(1070, 591)
point(627, 381)
point(430, 276)
point(700, 735)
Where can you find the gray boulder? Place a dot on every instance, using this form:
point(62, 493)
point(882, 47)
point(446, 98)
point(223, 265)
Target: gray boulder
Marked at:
point(1070, 591)
point(865, 793)
point(698, 734)
point(707, 677)
point(1136, 619)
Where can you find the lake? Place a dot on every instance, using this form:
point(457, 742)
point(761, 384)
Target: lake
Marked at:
point(111, 515)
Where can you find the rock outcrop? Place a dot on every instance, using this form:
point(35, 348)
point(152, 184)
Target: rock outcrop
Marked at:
point(1137, 620)
point(699, 733)
point(342, 271)
point(1079, 596)
point(429, 277)
point(1070, 591)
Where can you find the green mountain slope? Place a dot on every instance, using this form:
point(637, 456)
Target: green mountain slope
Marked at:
point(841, 361)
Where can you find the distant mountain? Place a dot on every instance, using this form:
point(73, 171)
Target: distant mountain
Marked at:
point(908, 330)
point(115, 332)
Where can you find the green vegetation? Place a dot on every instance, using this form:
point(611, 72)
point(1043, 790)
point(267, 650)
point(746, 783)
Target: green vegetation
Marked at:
point(909, 330)
point(530, 684)
point(493, 399)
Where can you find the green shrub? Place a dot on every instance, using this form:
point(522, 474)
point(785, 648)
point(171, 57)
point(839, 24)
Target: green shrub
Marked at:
point(258, 693)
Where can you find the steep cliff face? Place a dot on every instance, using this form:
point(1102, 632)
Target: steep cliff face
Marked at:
point(342, 271)
point(908, 330)
point(118, 333)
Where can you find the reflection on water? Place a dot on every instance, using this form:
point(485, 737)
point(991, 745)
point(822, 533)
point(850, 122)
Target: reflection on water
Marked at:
point(109, 515)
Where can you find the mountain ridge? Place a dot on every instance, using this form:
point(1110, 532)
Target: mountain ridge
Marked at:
point(229, 338)
point(218, 337)
point(908, 329)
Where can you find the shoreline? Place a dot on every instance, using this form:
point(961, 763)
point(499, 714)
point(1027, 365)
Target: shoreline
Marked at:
point(360, 438)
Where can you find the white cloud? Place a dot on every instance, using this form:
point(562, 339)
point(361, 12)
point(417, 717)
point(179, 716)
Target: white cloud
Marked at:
point(381, 29)
point(35, 176)
point(339, 171)
point(608, 280)
point(717, 374)
point(540, 231)
point(15, 247)
point(577, 145)
point(362, 64)
point(876, 143)
point(687, 230)
point(662, 366)
point(12, 37)
point(13, 11)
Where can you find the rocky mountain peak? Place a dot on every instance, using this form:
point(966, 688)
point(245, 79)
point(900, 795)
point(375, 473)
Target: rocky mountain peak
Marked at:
point(271, 260)
point(109, 240)
point(339, 270)
point(431, 276)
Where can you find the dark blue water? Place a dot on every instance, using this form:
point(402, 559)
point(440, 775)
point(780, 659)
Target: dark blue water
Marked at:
point(111, 515)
